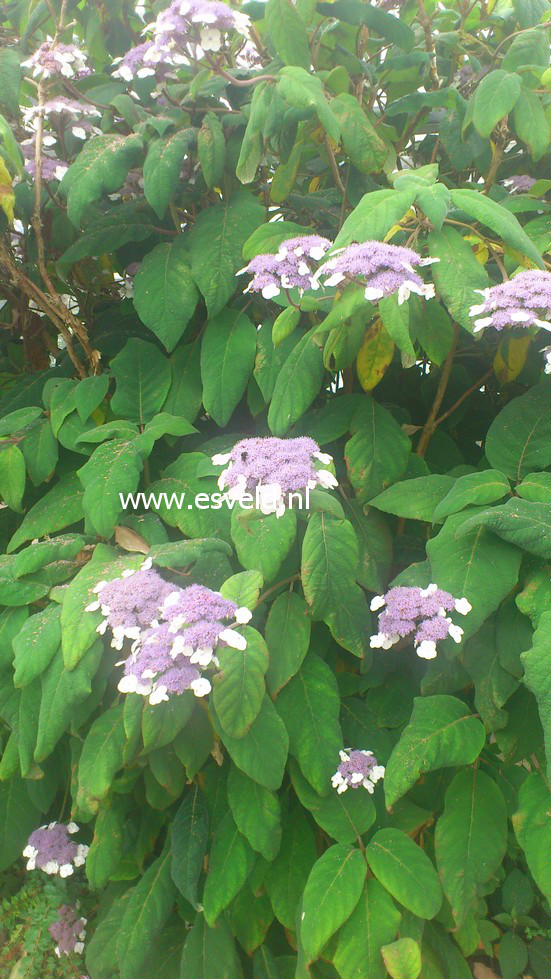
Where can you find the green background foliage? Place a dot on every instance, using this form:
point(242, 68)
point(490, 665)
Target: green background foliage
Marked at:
point(218, 847)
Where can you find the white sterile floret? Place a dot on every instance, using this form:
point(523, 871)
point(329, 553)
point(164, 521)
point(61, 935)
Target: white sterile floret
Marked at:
point(426, 649)
point(211, 39)
point(243, 615)
point(233, 639)
point(455, 631)
point(221, 459)
point(463, 606)
point(65, 870)
point(326, 479)
point(201, 687)
point(72, 828)
point(323, 457)
point(158, 695)
point(377, 602)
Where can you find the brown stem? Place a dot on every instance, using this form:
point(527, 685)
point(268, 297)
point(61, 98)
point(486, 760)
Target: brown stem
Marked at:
point(273, 588)
point(425, 22)
point(429, 427)
point(497, 157)
point(334, 167)
point(474, 387)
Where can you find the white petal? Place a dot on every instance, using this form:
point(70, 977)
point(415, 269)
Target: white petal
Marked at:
point(462, 606)
point(243, 615)
point(158, 695)
point(426, 649)
point(327, 479)
point(201, 687)
point(377, 602)
point(373, 294)
point(233, 639)
point(271, 291)
point(128, 684)
point(221, 458)
point(72, 828)
point(456, 633)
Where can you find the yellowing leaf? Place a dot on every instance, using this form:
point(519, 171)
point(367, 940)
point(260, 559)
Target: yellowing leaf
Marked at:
point(510, 358)
point(313, 185)
point(398, 227)
point(480, 248)
point(375, 356)
point(7, 196)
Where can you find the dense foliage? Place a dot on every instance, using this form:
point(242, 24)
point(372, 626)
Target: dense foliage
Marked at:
point(300, 792)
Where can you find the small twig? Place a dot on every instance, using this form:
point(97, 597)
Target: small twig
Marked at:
point(426, 24)
point(546, 23)
point(273, 588)
point(334, 167)
point(474, 387)
point(430, 425)
point(239, 82)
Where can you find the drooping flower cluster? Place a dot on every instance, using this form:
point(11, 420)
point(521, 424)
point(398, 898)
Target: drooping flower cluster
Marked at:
point(357, 768)
point(290, 268)
point(53, 58)
point(520, 183)
point(523, 301)
point(52, 168)
point(174, 631)
point(272, 469)
point(420, 612)
point(64, 112)
point(69, 931)
point(383, 269)
point(50, 849)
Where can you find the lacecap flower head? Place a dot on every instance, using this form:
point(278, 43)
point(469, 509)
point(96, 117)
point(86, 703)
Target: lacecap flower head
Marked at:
point(271, 469)
point(383, 269)
point(53, 58)
point(519, 184)
point(193, 22)
point(175, 632)
point(419, 612)
point(522, 301)
point(357, 768)
point(292, 266)
point(68, 931)
point(51, 849)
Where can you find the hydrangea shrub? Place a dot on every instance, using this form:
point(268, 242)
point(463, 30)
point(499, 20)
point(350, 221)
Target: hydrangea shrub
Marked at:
point(275, 472)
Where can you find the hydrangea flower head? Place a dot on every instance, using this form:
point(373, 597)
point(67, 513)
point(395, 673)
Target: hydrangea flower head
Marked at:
point(420, 612)
point(51, 850)
point(290, 268)
point(175, 632)
point(357, 768)
point(132, 64)
point(523, 301)
point(68, 931)
point(519, 183)
point(53, 58)
point(272, 469)
point(192, 22)
point(63, 110)
point(383, 269)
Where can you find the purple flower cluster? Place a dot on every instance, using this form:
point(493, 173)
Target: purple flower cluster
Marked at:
point(174, 631)
point(357, 768)
point(53, 58)
point(50, 849)
point(68, 931)
point(64, 112)
point(417, 611)
point(195, 22)
point(383, 269)
point(52, 168)
point(291, 267)
point(272, 469)
point(519, 184)
point(522, 301)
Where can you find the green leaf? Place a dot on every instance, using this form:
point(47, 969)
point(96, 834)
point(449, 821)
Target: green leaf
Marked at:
point(375, 544)
point(288, 637)
point(287, 31)
point(256, 812)
point(18, 818)
point(373, 923)
point(189, 835)
point(528, 525)
point(406, 871)
point(403, 959)
point(100, 759)
point(268, 237)
point(166, 424)
point(16, 421)
point(529, 47)
point(415, 499)
point(303, 90)
point(536, 487)
point(512, 955)
point(537, 676)
point(344, 816)
point(27, 725)
point(210, 952)
point(395, 319)
point(194, 743)
point(495, 96)
point(474, 488)
point(89, 394)
point(362, 143)
point(329, 561)
point(108, 232)
point(470, 839)
point(12, 621)
point(533, 829)
point(100, 168)
point(435, 201)
point(491, 214)
point(62, 692)
point(211, 149)
point(162, 167)
point(60, 508)
point(378, 451)
point(309, 706)
point(186, 392)
point(441, 733)
point(165, 295)
point(262, 542)
point(253, 137)
point(143, 378)
point(10, 79)
point(457, 275)
point(375, 215)
point(230, 863)
point(239, 687)
point(180, 477)
point(285, 324)
point(12, 477)
point(380, 22)
point(36, 644)
point(332, 892)
point(531, 123)
point(478, 566)
point(114, 468)
point(519, 438)
point(297, 385)
point(216, 243)
point(484, 656)
point(147, 910)
point(262, 752)
point(227, 359)
point(162, 722)
point(287, 875)
point(40, 450)
point(106, 848)
point(430, 325)
point(243, 588)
